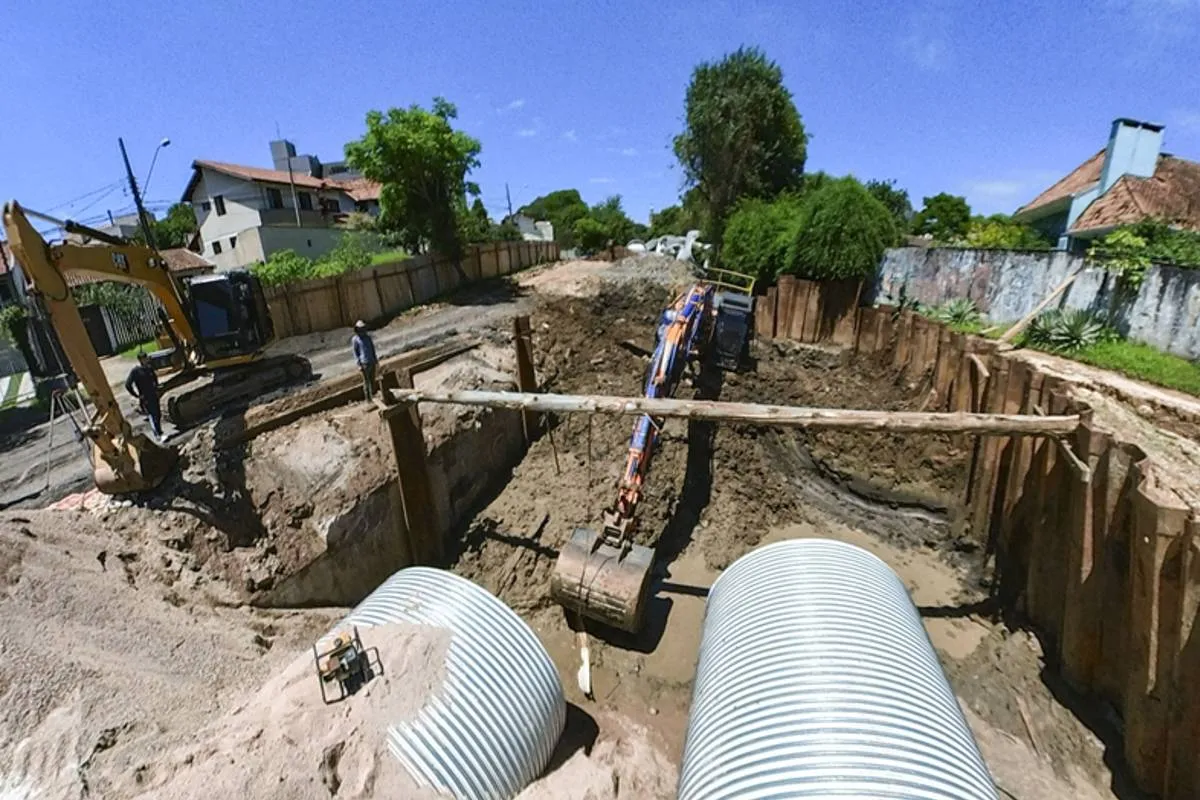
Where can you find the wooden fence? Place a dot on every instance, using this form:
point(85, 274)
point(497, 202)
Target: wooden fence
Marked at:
point(1091, 543)
point(328, 303)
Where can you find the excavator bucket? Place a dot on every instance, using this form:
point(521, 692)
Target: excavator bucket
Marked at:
point(151, 463)
point(602, 583)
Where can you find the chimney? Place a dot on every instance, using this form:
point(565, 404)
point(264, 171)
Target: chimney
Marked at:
point(1133, 149)
point(281, 151)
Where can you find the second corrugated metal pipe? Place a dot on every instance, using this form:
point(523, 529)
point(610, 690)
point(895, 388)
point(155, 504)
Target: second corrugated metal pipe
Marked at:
point(816, 679)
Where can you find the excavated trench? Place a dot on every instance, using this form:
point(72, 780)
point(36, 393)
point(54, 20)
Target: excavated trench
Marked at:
point(320, 502)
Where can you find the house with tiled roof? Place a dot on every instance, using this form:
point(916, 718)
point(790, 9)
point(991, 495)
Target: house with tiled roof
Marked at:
point(246, 213)
point(1130, 180)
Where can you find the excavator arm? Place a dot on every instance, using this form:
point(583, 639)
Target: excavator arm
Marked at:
point(123, 461)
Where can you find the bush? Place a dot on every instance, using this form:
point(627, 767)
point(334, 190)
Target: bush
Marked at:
point(1000, 233)
point(961, 314)
point(1068, 331)
point(757, 236)
point(841, 232)
point(284, 266)
point(10, 317)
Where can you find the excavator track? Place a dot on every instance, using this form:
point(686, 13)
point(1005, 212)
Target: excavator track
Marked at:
point(235, 386)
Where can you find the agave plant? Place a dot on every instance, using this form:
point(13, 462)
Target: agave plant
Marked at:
point(1067, 331)
point(960, 312)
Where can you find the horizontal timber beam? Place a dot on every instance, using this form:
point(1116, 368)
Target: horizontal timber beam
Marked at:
point(752, 413)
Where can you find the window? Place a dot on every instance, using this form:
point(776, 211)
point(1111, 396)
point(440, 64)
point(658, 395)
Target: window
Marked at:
point(219, 204)
point(329, 205)
point(232, 242)
point(216, 248)
point(305, 201)
point(206, 207)
point(274, 198)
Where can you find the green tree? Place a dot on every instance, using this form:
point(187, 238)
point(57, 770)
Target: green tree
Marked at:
point(758, 234)
point(476, 225)
point(175, 229)
point(944, 216)
point(612, 217)
point(591, 235)
point(562, 209)
point(505, 232)
point(422, 163)
point(1167, 244)
point(999, 232)
point(895, 200)
point(841, 231)
point(743, 136)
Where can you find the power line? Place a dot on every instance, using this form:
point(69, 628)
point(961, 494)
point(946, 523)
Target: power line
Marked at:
point(107, 188)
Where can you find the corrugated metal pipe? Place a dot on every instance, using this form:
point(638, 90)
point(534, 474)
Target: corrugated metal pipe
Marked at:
point(492, 728)
point(816, 679)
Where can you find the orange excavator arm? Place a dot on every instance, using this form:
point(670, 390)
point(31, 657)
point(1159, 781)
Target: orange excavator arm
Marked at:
point(124, 461)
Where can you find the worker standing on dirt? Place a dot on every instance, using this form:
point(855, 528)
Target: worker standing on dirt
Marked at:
point(142, 383)
point(364, 354)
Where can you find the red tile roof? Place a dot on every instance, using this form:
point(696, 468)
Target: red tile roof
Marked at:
point(359, 189)
point(1171, 194)
point(180, 259)
point(1082, 177)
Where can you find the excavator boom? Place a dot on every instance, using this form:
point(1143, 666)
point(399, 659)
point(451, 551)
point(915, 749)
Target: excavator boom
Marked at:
point(123, 461)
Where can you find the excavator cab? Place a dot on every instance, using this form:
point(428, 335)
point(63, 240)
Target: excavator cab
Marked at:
point(229, 313)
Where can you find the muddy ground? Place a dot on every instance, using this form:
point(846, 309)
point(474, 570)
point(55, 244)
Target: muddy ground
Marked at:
point(178, 568)
point(717, 491)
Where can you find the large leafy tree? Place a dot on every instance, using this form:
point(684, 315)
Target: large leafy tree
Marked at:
point(562, 209)
point(945, 217)
point(744, 137)
point(422, 163)
point(175, 229)
point(758, 235)
point(895, 199)
point(841, 231)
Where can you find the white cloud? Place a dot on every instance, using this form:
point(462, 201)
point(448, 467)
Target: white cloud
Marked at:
point(925, 39)
point(570, 135)
point(515, 105)
point(601, 180)
point(526, 133)
point(625, 151)
point(1185, 120)
point(998, 189)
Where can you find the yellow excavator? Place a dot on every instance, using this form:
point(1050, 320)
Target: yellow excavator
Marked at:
point(217, 325)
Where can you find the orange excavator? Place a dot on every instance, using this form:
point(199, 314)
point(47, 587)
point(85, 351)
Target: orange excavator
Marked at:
point(604, 575)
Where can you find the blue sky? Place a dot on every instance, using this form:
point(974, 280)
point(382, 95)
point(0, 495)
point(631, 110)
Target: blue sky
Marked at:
point(991, 100)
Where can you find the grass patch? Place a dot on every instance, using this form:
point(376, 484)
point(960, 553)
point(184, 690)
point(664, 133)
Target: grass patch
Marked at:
point(12, 390)
point(389, 256)
point(131, 352)
point(1145, 363)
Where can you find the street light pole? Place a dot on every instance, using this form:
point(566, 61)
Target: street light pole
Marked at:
point(146, 183)
point(137, 197)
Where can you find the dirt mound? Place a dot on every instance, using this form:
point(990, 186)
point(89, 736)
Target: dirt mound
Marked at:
point(111, 651)
point(627, 765)
point(286, 744)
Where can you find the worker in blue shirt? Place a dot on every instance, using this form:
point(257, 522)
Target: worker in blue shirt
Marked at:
point(364, 356)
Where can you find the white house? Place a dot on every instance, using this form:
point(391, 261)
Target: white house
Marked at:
point(532, 230)
point(246, 213)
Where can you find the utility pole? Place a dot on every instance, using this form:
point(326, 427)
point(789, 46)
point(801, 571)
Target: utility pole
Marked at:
point(295, 202)
point(137, 197)
point(509, 198)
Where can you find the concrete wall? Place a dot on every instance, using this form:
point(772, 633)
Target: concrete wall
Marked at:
point(1007, 285)
point(242, 203)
